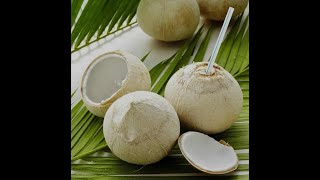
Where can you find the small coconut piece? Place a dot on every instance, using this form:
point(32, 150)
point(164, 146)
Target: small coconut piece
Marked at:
point(141, 127)
point(171, 20)
point(208, 103)
point(110, 76)
point(217, 9)
point(207, 154)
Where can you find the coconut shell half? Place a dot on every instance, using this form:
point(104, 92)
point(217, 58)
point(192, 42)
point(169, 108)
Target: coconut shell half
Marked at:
point(110, 76)
point(206, 154)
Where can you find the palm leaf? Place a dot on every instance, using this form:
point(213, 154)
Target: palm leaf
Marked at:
point(98, 15)
point(184, 59)
point(75, 8)
point(145, 56)
point(158, 69)
point(92, 23)
point(235, 48)
point(203, 47)
point(118, 14)
point(131, 7)
point(178, 61)
point(227, 44)
point(85, 18)
point(243, 54)
point(133, 13)
point(112, 8)
point(169, 165)
point(88, 135)
point(161, 176)
point(77, 145)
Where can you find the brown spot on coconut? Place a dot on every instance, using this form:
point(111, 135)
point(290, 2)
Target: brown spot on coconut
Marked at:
point(110, 76)
point(204, 103)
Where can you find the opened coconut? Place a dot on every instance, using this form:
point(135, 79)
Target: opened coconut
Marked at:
point(111, 76)
point(206, 154)
point(141, 127)
point(207, 103)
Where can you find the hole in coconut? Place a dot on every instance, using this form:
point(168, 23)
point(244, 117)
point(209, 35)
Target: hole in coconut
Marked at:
point(207, 154)
point(105, 77)
point(201, 69)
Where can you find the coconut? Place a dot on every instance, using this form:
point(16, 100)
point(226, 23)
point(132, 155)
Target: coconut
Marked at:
point(217, 9)
point(207, 154)
point(171, 20)
point(111, 76)
point(204, 103)
point(141, 127)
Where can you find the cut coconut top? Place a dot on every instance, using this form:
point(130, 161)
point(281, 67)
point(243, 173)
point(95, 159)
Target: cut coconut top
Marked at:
point(104, 77)
point(206, 154)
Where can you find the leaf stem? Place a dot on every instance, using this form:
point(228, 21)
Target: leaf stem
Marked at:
point(89, 152)
point(101, 37)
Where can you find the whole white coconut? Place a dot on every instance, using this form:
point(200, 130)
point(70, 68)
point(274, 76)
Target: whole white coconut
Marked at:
point(217, 9)
point(204, 103)
point(168, 20)
point(141, 127)
point(111, 76)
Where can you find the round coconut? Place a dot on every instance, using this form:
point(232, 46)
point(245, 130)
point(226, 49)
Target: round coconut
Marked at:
point(171, 20)
point(141, 127)
point(204, 103)
point(111, 76)
point(217, 9)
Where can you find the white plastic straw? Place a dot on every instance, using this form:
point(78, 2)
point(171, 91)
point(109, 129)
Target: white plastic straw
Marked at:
point(219, 40)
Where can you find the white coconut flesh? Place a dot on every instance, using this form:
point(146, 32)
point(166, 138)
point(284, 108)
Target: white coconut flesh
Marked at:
point(110, 76)
point(206, 154)
point(104, 78)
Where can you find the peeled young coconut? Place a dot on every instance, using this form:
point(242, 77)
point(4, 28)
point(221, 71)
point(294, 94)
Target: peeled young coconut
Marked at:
point(111, 76)
point(204, 103)
point(168, 20)
point(217, 9)
point(207, 154)
point(141, 127)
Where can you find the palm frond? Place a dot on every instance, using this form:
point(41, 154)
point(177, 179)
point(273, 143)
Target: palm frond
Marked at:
point(87, 135)
point(235, 48)
point(204, 45)
point(185, 176)
point(181, 58)
point(227, 44)
point(158, 69)
point(243, 53)
point(98, 19)
point(174, 163)
point(75, 8)
point(145, 56)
